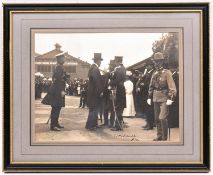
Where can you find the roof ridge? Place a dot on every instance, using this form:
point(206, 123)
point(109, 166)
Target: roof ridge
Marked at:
point(61, 51)
point(78, 59)
point(42, 55)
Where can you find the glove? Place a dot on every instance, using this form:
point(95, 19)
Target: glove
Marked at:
point(138, 90)
point(169, 102)
point(63, 93)
point(109, 87)
point(149, 101)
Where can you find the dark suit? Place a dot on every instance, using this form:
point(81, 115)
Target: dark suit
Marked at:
point(95, 88)
point(147, 110)
point(54, 96)
point(136, 97)
point(120, 97)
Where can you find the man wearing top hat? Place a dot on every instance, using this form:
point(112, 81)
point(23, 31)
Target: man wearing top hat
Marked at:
point(120, 95)
point(94, 93)
point(56, 95)
point(162, 91)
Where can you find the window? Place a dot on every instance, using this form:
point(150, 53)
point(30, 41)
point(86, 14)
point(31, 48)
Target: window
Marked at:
point(70, 69)
point(43, 68)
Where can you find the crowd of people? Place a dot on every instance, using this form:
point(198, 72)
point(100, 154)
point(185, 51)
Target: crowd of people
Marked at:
point(42, 84)
point(118, 94)
point(76, 87)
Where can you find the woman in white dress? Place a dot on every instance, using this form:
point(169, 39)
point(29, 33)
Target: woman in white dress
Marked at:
point(129, 111)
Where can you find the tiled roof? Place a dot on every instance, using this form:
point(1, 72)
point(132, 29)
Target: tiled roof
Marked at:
point(140, 64)
point(51, 55)
point(77, 59)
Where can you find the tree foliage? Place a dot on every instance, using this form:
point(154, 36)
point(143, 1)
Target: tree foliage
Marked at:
point(169, 46)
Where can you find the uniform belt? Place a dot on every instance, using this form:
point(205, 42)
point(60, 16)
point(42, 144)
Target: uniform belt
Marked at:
point(161, 89)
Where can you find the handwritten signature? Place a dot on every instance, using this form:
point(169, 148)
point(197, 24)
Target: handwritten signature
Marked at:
point(132, 137)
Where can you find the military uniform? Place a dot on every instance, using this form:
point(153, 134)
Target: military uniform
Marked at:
point(162, 88)
point(120, 96)
point(107, 101)
point(56, 94)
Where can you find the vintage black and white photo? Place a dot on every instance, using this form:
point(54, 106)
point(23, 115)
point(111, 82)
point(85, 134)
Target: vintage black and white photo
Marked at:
point(106, 87)
point(97, 88)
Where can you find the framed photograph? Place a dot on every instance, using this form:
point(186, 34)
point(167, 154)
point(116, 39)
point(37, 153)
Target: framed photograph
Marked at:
point(106, 87)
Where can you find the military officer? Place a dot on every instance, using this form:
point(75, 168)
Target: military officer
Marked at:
point(94, 93)
point(143, 86)
point(108, 108)
point(162, 91)
point(56, 95)
point(120, 95)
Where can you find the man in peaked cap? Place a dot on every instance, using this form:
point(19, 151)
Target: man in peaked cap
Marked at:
point(107, 102)
point(162, 91)
point(56, 94)
point(95, 92)
point(120, 95)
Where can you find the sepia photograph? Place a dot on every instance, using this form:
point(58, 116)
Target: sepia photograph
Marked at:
point(105, 88)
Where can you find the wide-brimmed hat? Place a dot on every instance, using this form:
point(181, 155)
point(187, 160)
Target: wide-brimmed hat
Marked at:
point(119, 59)
point(97, 56)
point(158, 56)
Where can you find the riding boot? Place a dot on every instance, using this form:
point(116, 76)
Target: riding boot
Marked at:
point(164, 125)
point(159, 131)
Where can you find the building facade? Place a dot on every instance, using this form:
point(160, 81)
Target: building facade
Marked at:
point(76, 68)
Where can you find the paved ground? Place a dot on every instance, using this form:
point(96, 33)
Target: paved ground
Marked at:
point(74, 119)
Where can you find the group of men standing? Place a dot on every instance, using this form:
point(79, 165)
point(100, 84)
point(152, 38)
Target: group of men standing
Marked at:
point(161, 93)
point(108, 92)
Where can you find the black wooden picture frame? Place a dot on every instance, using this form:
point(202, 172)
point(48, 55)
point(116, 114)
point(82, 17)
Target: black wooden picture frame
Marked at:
point(9, 166)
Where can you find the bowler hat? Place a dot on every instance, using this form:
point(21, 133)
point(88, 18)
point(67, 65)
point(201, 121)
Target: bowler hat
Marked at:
point(158, 56)
point(118, 59)
point(97, 56)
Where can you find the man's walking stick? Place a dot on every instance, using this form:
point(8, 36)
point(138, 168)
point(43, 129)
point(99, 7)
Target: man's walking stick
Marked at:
point(116, 117)
point(168, 125)
point(168, 130)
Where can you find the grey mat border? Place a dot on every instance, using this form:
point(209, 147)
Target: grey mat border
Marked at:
point(193, 128)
